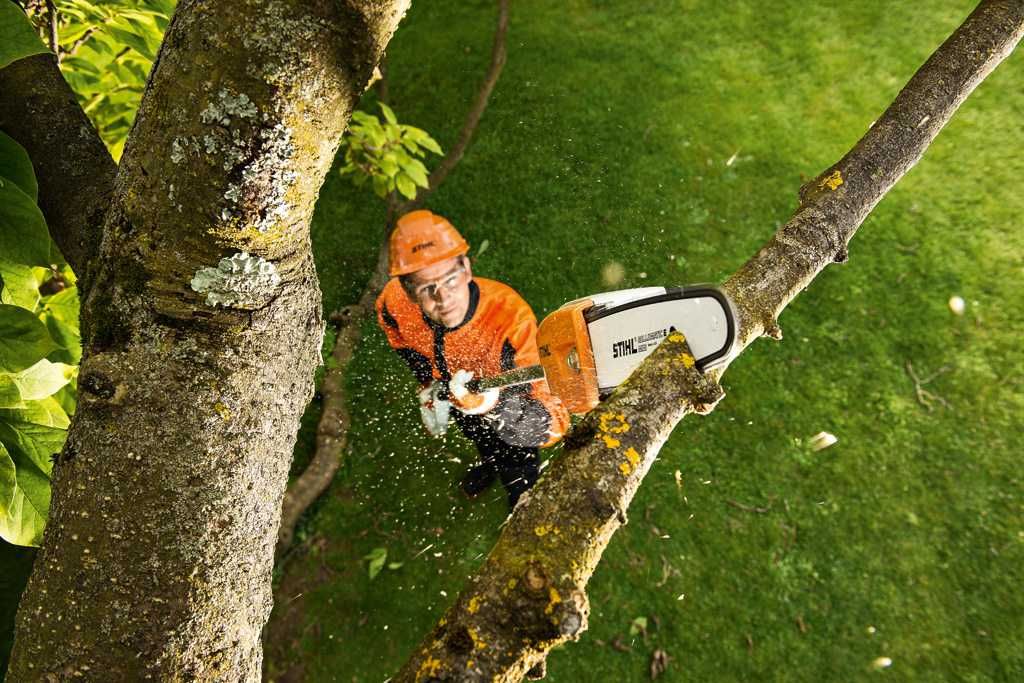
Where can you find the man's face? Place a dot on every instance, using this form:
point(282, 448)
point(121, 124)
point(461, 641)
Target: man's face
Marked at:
point(442, 290)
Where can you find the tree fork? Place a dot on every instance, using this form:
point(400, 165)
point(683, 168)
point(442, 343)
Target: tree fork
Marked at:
point(157, 558)
point(529, 595)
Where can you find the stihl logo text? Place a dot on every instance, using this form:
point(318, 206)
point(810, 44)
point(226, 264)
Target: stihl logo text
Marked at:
point(639, 344)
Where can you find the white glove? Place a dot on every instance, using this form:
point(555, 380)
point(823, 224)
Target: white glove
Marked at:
point(433, 410)
point(468, 402)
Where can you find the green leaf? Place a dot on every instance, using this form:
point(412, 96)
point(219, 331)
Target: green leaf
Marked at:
point(17, 37)
point(380, 186)
point(23, 339)
point(431, 144)
point(17, 167)
point(395, 565)
point(8, 481)
point(362, 117)
point(21, 285)
point(64, 306)
point(24, 238)
point(132, 40)
point(10, 395)
point(388, 165)
point(47, 412)
point(417, 172)
point(67, 398)
point(405, 185)
point(35, 442)
point(389, 115)
point(71, 344)
point(26, 517)
point(42, 379)
point(377, 557)
point(638, 626)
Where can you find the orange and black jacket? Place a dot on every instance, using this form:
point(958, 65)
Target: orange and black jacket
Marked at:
point(499, 333)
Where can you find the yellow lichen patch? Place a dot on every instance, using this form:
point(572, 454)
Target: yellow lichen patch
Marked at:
point(686, 359)
point(677, 337)
point(478, 643)
point(429, 668)
point(833, 181)
point(542, 530)
point(634, 457)
point(611, 441)
point(223, 411)
point(614, 423)
point(474, 605)
point(553, 599)
point(510, 585)
point(625, 468)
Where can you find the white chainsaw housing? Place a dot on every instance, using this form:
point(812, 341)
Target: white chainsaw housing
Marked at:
point(627, 325)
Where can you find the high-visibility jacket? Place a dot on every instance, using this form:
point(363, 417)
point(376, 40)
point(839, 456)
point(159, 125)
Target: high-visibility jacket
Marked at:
point(498, 333)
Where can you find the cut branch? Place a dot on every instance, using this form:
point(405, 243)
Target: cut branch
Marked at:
point(530, 593)
point(73, 167)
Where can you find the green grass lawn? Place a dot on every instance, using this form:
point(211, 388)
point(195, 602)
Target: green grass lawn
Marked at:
point(607, 140)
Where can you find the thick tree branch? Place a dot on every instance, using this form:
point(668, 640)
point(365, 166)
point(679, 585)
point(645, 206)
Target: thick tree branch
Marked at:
point(833, 205)
point(333, 425)
point(157, 556)
point(530, 593)
point(72, 165)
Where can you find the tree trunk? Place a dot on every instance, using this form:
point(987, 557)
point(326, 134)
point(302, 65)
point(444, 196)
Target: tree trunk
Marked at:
point(530, 593)
point(157, 557)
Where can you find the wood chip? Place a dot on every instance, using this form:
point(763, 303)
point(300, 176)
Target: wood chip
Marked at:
point(659, 663)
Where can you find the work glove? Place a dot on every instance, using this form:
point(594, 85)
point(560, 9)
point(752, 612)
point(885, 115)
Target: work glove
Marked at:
point(468, 402)
point(434, 410)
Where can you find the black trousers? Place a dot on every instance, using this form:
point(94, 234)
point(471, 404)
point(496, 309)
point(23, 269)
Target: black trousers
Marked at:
point(516, 466)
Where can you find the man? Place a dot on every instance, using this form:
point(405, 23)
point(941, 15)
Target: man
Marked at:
point(450, 327)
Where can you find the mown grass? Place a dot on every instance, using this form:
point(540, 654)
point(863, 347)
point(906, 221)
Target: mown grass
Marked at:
point(606, 140)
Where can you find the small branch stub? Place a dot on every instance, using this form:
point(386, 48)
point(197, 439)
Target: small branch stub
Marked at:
point(240, 281)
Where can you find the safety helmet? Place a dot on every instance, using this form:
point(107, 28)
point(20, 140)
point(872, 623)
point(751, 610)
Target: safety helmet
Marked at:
point(421, 239)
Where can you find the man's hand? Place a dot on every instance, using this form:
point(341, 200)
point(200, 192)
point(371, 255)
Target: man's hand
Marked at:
point(433, 410)
point(468, 402)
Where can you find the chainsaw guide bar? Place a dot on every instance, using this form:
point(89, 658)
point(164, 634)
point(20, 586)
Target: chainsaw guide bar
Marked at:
point(589, 346)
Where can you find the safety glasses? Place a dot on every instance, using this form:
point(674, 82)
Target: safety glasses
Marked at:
point(448, 283)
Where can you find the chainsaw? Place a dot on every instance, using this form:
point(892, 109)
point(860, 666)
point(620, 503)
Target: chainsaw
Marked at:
point(591, 345)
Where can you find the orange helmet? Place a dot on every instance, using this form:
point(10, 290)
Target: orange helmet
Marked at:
point(421, 239)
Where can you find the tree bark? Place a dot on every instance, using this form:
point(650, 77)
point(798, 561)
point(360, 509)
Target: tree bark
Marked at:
point(530, 593)
point(156, 561)
point(73, 167)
